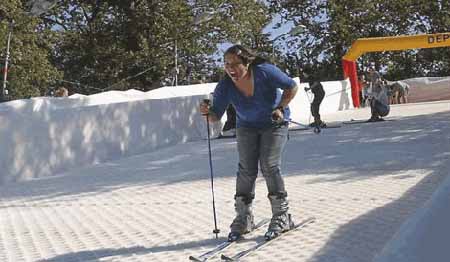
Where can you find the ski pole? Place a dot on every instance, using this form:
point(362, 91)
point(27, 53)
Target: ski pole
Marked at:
point(216, 230)
point(316, 129)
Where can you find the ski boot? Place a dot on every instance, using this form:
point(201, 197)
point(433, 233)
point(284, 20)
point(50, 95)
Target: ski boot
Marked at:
point(281, 221)
point(318, 123)
point(243, 222)
point(322, 124)
point(375, 119)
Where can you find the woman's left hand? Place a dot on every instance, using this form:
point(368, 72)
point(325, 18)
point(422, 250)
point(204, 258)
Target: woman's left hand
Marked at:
point(277, 115)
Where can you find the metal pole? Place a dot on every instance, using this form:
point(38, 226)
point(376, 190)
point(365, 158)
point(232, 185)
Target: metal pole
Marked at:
point(5, 72)
point(216, 230)
point(176, 64)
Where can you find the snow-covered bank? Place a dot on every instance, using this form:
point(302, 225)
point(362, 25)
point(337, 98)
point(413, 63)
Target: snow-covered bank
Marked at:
point(47, 142)
point(44, 136)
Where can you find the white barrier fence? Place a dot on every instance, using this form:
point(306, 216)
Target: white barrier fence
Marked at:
point(46, 136)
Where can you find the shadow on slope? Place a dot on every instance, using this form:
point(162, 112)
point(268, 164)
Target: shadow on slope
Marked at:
point(100, 254)
point(361, 239)
point(370, 149)
point(366, 151)
point(343, 154)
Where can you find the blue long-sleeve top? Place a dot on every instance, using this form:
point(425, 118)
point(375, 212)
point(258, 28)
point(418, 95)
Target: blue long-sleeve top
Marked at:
point(254, 111)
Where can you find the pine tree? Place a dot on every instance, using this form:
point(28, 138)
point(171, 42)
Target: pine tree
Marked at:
point(333, 25)
point(30, 71)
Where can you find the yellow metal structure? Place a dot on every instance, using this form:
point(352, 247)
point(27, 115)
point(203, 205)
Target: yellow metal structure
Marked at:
point(396, 43)
point(381, 44)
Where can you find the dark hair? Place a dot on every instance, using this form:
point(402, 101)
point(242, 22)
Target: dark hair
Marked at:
point(247, 57)
point(62, 92)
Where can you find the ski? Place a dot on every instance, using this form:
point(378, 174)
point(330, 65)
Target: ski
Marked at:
point(312, 128)
point(226, 136)
point(332, 126)
point(362, 121)
point(302, 127)
point(264, 243)
point(224, 245)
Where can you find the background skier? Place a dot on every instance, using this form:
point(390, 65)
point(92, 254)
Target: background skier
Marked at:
point(319, 93)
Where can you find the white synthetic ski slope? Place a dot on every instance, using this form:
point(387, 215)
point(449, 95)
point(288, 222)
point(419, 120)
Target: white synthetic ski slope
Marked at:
point(361, 182)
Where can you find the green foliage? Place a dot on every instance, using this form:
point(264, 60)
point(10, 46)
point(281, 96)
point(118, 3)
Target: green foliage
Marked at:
point(92, 46)
point(30, 72)
point(112, 44)
point(334, 25)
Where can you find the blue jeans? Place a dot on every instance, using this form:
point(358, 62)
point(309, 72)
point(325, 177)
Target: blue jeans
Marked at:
point(378, 109)
point(263, 146)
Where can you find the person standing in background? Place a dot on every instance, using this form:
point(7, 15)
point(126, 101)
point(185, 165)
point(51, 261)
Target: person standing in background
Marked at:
point(62, 92)
point(363, 92)
point(319, 93)
point(400, 91)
